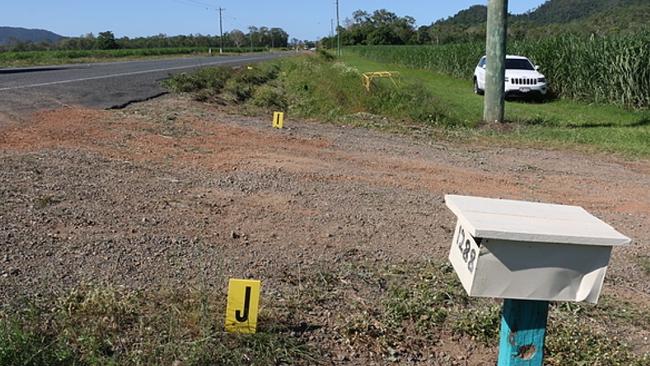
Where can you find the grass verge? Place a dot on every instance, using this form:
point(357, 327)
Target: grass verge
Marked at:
point(434, 104)
point(107, 326)
point(44, 58)
point(421, 308)
point(313, 87)
point(411, 312)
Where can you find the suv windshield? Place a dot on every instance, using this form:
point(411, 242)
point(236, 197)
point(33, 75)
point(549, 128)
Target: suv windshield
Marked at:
point(518, 64)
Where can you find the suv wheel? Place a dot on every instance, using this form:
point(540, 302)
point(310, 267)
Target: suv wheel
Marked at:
point(477, 90)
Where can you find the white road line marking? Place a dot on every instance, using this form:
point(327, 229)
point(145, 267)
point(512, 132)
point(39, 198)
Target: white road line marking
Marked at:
point(128, 74)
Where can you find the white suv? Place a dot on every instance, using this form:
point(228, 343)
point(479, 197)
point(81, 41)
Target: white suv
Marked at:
point(522, 78)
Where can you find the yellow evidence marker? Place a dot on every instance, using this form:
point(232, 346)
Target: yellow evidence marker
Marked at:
point(278, 120)
point(243, 306)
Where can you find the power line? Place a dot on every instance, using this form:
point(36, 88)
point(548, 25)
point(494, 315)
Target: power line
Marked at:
point(193, 3)
point(199, 3)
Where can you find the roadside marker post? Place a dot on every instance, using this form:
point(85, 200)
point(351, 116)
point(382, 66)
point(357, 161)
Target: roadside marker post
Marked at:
point(278, 120)
point(242, 306)
point(528, 254)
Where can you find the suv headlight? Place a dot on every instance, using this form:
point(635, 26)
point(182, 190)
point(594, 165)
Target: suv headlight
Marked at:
point(541, 80)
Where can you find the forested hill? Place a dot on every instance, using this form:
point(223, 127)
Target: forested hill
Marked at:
point(601, 17)
point(13, 34)
point(553, 11)
point(474, 15)
point(564, 11)
point(583, 18)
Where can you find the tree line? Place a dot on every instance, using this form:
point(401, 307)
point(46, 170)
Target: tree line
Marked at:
point(383, 27)
point(254, 38)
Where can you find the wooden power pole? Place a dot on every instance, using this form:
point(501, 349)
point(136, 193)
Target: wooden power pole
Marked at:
point(221, 28)
point(338, 31)
point(332, 34)
point(496, 61)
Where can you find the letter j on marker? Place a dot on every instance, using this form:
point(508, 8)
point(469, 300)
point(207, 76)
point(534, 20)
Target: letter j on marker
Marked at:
point(243, 306)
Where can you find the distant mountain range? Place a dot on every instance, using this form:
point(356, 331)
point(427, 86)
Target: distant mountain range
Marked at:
point(13, 34)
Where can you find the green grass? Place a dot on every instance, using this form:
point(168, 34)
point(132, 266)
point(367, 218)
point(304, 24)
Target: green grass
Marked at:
point(322, 89)
point(557, 123)
point(397, 311)
point(110, 326)
point(645, 264)
point(36, 58)
point(426, 300)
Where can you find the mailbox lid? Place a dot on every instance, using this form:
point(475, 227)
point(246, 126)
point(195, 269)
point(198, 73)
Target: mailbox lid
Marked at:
point(522, 221)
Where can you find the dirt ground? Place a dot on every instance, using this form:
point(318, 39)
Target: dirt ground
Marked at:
point(172, 192)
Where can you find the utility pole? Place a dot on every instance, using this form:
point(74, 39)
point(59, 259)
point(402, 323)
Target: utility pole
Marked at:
point(332, 34)
point(494, 110)
point(338, 31)
point(221, 28)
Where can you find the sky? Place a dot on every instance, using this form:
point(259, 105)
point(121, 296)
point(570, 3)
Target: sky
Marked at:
point(302, 19)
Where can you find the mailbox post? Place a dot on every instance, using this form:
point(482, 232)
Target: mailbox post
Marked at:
point(529, 254)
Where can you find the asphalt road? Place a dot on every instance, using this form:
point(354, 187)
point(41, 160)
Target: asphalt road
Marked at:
point(102, 85)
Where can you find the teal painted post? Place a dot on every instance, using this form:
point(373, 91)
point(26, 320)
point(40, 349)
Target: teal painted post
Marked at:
point(523, 328)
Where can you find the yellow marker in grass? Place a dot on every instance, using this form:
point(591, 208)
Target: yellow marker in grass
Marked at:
point(278, 120)
point(243, 306)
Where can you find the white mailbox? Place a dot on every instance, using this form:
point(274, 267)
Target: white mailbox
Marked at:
point(530, 251)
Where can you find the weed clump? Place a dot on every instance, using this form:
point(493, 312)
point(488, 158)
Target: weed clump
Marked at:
point(239, 92)
point(258, 74)
point(325, 55)
point(572, 343)
point(645, 264)
point(210, 79)
point(481, 324)
point(256, 84)
point(270, 97)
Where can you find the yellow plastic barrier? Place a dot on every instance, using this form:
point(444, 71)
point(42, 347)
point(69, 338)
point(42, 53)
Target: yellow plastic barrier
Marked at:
point(368, 77)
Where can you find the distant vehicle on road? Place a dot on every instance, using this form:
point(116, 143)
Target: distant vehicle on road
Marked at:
point(523, 78)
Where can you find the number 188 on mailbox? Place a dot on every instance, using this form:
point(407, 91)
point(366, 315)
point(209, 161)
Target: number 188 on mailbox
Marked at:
point(464, 255)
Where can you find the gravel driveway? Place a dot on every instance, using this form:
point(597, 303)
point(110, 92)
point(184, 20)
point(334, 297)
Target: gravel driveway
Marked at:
point(171, 192)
